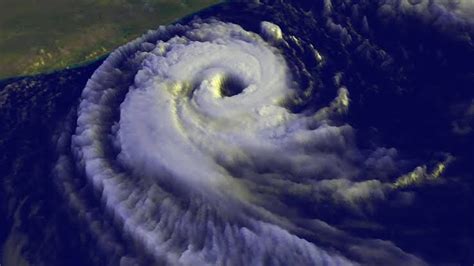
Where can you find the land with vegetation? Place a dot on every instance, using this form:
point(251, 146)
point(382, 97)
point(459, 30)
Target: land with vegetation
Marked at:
point(38, 36)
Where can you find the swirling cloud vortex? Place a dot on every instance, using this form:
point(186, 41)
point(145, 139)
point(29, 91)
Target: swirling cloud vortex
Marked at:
point(187, 138)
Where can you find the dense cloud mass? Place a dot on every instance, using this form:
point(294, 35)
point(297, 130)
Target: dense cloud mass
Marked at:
point(275, 133)
point(205, 117)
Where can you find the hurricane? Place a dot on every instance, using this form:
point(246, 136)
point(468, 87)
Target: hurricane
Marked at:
point(274, 133)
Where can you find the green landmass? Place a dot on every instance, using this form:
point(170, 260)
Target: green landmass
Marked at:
point(39, 36)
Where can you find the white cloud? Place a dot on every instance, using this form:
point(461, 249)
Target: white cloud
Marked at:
point(194, 168)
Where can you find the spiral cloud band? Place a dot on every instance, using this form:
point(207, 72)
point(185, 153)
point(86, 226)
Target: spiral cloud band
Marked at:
point(187, 136)
point(269, 132)
point(200, 103)
point(212, 143)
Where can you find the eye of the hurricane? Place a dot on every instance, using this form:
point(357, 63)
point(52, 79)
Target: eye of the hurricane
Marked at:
point(225, 84)
point(231, 86)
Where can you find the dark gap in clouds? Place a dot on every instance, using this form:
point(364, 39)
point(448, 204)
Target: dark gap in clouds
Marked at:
point(232, 86)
